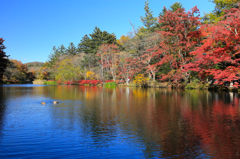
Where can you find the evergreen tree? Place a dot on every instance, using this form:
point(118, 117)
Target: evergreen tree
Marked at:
point(62, 50)
point(175, 6)
point(3, 59)
point(219, 11)
point(56, 53)
point(163, 12)
point(84, 45)
point(148, 20)
point(98, 37)
point(71, 50)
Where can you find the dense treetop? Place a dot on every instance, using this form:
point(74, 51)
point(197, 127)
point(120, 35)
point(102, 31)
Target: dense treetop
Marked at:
point(90, 44)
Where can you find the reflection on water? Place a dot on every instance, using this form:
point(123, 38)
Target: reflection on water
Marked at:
point(96, 122)
point(2, 110)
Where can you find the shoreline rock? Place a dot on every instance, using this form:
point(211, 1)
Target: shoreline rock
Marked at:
point(38, 81)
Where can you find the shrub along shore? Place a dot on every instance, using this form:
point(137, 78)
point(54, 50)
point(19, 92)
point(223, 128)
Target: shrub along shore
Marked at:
point(149, 84)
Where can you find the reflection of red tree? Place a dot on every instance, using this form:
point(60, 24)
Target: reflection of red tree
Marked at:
point(173, 134)
point(219, 129)
point(90, 92)
point(192, 126)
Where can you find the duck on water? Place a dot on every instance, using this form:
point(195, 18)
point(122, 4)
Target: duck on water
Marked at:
point(54, 102)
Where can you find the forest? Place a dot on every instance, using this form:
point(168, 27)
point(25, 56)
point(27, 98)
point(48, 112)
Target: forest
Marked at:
point(177, 47)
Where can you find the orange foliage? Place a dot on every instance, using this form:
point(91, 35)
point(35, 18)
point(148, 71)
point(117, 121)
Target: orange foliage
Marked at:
point(21, 67)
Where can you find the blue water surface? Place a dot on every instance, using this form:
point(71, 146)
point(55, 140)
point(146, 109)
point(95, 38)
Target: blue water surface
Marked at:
point(96, 122)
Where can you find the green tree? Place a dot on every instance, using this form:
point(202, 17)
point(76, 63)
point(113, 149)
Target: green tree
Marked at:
point(219, 10)
point(62, 50)
point(85, 44)
point(175, 6)
point(148, 20)
point(90, 44)
point(71, 50)
point(90, 61)
point(163, 12)
point(55, 55)
point(3, 59)
point(225, 4)
point(67, 71)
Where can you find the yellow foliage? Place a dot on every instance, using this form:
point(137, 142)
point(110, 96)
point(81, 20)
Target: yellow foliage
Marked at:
point(123, 40)
point(140, 79)
point(67, 71)
point(139, 93)
point(225, 2)
point(91, 75)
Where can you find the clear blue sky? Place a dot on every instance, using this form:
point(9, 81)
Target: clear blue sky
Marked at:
point(32, 27)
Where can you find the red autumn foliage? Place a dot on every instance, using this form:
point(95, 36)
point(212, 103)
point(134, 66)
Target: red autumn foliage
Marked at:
point(65, 82)
point(128, 67)
point(109, 81)
point(92, 82)
point(219, 55)
point(69, 82)
point(59, 82)
point(179, 36)
point(109, 58)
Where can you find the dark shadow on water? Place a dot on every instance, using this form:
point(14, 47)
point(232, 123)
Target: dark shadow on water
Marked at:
point(2, 109)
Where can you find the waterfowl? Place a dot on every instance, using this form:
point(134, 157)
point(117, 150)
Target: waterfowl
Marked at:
point(55, 102)
point(43, 102)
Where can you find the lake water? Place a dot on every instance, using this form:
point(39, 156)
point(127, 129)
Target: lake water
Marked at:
point(97, 122)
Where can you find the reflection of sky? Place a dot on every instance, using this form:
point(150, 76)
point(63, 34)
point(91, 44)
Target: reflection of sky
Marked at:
point(95, 122)
point(22, 85)
point(61, 131)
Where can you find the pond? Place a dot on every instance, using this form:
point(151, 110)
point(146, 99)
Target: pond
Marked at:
point(98, 122)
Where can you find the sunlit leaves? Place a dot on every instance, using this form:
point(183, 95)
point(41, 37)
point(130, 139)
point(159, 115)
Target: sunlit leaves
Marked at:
point(66, 71)
point(180, 35)
point(221, 48)
point(123, 39)
point(16, 70)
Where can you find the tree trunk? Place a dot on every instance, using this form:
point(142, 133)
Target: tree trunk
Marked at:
point(126, 79)
point(153, 77)
point(1, 76)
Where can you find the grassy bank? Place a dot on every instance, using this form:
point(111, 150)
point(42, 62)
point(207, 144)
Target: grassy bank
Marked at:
point(110, 84)
point(50, 83)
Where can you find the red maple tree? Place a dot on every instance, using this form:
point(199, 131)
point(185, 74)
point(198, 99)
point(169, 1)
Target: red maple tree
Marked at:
point(180, 34)
point(219, 55)
point(128, 66)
